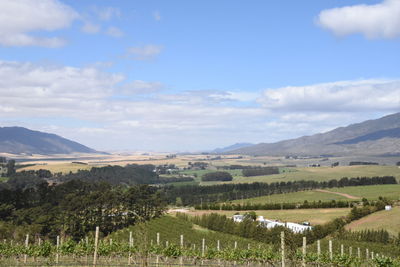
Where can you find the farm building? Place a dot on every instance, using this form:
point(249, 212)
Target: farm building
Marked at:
point(388, 207)
point(238, 218)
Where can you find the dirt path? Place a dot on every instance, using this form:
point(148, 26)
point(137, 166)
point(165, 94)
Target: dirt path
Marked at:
point(337, 193)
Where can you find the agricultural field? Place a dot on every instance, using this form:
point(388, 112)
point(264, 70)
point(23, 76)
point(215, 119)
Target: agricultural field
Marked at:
point(390, 191)
point(319, 174)
point(170, 229)
point(387, 220)
point(295, 197)
point(58, 167)
point(314, 216)
point(350, 193)
point(390, 250)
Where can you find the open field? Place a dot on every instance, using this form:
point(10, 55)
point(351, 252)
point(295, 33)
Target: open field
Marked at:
point(371, 192)
point(58, 167)
point(296, 197)
point(320, 174)
point(314, 216)
point(390, 191)
point(387, 220)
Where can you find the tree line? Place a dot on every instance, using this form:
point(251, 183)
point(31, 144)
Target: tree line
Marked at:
point(191, 195)
point(74, 208)
point(275, 206)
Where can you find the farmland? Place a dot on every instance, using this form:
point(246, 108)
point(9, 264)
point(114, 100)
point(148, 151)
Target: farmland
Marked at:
point(319, 174)
point(314, 216)
point(370, 192)
point(170, 229)
point(387, 220)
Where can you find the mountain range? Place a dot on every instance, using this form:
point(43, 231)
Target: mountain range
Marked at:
point(379, 137)
point(19, 140)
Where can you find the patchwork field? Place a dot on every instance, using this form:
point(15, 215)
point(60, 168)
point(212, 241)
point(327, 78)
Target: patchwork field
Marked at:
point(314, 216)
point(387, 220)
point(319, 174)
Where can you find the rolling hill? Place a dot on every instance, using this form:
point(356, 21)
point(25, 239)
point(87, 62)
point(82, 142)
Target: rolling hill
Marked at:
point(19, 140)
point(380, 137)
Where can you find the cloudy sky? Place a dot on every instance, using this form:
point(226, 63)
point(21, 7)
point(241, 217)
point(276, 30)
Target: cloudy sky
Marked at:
point(175, 75)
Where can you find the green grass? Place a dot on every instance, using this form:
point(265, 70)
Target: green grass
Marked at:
point(3, 179)
point(390, 191)
point(387, 220)
point(170, 229)
point(295, 197)
point(314, 216)
point(319, 174)
point(370, 192)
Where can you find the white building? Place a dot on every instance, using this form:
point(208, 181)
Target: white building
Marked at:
point(388, 207)
point(238, 218)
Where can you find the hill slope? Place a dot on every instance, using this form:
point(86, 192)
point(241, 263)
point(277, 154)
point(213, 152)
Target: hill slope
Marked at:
point(372, 137)
point(18, 140)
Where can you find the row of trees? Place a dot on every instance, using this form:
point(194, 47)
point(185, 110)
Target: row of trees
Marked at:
point(275, 206)
point(74, 208)
point(191, 195)
point(260, 171)
point(217, 176)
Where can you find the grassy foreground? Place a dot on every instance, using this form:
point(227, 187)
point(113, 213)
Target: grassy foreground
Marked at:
point(170, 229)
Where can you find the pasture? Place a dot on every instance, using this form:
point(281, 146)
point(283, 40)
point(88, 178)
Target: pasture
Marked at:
point(350, 193)
point(387, 220)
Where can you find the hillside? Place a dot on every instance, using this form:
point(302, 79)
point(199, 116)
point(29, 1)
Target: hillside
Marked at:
point(380, 137)
point(19, 140)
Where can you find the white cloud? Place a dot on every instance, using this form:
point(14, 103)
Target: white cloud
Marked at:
point(114, 32)
point(107, 13)
point(145, 52)
point(363, 95)
point(86, 105)
point(91, 28)
point(142, 87)
point(19, 18)
point(157, 15)
point(374, 21)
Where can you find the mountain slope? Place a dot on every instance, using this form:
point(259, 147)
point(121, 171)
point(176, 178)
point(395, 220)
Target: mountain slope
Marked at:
point(17, 140)
point(372, 137)
point(231, 147)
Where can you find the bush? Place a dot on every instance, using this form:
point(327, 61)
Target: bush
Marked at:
point(217, 176)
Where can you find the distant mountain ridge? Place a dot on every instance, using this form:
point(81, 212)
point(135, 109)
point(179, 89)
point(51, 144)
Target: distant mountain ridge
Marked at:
point(19, 140)
point(232, 147)
point(371, 138)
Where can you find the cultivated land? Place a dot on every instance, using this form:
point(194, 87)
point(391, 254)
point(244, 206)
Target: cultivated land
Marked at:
point(387, 220)
point(320, 174)
point(170, 229)
point(314, 216)
point(58, 167)
point(351, 193)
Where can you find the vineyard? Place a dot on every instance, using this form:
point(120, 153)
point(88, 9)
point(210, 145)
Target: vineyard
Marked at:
point(142, 245)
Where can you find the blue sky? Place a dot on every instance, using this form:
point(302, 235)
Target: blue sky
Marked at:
point(195, 75)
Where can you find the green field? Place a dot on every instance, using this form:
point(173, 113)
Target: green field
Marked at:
point(314, 216)
point(390, 191)
point(319, 174)
point(369, 191)
point(170, 229)
point(387, 220)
